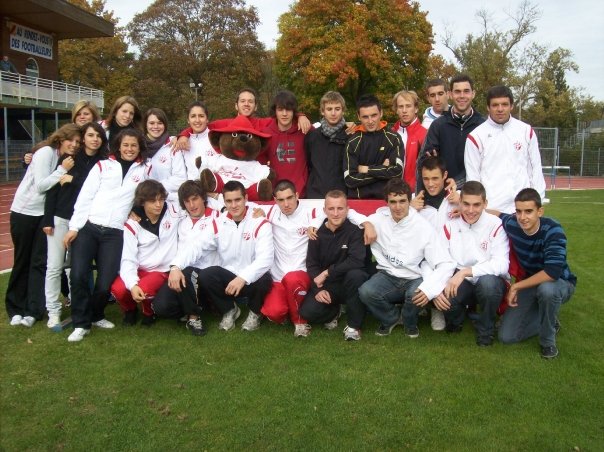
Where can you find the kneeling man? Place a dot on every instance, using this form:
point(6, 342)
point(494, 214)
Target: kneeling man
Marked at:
point(480, 248)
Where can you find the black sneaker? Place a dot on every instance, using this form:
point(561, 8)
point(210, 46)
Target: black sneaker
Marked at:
point(384, 330)
point(484, 341)
point(130, 318)
point(148, 320)
point(549, 352)
point(453, 328)
point(196, 327)
point(412, 332)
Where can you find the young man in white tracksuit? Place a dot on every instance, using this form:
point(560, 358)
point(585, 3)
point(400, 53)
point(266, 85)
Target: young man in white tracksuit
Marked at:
point(404, 241)
point(480, 248)
point(245, 248)
point(503, 153)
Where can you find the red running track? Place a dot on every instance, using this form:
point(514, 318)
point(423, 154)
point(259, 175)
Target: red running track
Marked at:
point(7, 192)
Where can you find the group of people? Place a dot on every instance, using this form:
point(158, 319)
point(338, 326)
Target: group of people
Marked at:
point(123, 198)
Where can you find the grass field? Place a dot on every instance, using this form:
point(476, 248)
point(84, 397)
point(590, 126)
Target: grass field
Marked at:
point(163, 389)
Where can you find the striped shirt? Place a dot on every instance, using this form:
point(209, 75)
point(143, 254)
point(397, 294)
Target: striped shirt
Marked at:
point(545, 250)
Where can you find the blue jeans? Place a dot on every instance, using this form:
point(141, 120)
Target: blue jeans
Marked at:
point(536, 313)
point(104, 246)
point(383, 291)
point(487, 293)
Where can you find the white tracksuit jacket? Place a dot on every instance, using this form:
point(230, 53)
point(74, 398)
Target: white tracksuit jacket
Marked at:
point(146, 251)
point(483, 245)
point(506, 159)
point(169, 168)
point(106, 199)
point(246, 249)
point(42, 174)
point(190, 231)
point(199, 147)
point(401, 247)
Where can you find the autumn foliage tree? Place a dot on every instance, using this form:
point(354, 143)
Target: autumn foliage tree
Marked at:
point(102, 63)
point(212, 42)
point(355, 47)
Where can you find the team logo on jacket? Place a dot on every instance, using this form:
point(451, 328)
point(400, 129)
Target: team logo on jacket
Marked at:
point(167, 225)
point(517, 146)
point(136, 178)
point(484, 245)
point(163, 159)
point(246, 235)
point(302, 231)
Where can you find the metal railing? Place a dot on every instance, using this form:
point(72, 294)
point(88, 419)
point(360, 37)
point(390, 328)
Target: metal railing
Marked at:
point(42, 92)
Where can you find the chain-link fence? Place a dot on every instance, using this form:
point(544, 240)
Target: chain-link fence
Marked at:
point(579, 151)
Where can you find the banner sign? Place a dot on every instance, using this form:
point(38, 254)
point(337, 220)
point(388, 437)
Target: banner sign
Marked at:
point(28, 40)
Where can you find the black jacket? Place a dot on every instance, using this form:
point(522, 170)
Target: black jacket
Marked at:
point(447, 136)
point(339, 252)
point(324, 157)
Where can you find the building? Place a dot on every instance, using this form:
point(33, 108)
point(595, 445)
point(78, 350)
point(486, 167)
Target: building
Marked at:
point(32, 100)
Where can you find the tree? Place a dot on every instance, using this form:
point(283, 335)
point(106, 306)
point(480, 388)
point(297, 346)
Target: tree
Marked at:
point(491, 57)
point(102, 63)
point(355, 47)
point(212, 42)
point(554, 103)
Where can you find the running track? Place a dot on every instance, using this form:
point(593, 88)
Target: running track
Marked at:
point(7, 192)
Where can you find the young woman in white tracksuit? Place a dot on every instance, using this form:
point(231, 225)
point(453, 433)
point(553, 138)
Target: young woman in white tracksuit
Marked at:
point(96, 228)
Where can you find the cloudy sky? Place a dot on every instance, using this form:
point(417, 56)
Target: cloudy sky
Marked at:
point(578, 26)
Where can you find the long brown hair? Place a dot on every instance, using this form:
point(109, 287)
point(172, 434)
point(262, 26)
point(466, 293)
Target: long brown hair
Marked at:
point(66, 132)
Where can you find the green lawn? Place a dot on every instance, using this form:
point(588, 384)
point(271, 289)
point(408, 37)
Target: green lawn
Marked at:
point(161, 389)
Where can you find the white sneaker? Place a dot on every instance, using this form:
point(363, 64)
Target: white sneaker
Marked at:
point(437, 320)
point(351, 334)
point(252, 322)
point(54, 322)
point(302, 330)
point(78, 334)
point(16, 320)
point(28, 321)
point(104, 324)
point(228, 320)
point(334, 323)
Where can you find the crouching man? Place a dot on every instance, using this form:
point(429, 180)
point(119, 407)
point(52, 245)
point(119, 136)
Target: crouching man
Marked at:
point(534, 301)
point(335, 263)
point(480, 248)
point(404, 241)
point(245, 250)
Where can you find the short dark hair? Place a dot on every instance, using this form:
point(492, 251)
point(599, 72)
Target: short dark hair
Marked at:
point(397, 187)
point(252, 91)
point(499, 91)
point(368, 100)
point(197, 103)
point(159, 114)
point(129, 132)
point(284, 184)
point(433, 162)
point(474, 188)
point(234, 185)
point(190, 188)
point(284, 99)
point(149, 190)
point(435, 82)
point(459, 78)
point(528, 194)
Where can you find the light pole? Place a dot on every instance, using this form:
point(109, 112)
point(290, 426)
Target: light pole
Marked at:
point(196, 86)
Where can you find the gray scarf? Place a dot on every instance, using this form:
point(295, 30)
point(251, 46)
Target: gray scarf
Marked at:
point(330, 131)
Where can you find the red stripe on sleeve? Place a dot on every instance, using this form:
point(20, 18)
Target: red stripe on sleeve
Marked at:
point(215, 226)
point(447, 232)
point(497, 230)
point(258, 228)
point(130, 228)
point(473, 140)
point(100, 166)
